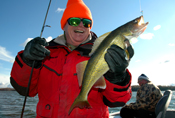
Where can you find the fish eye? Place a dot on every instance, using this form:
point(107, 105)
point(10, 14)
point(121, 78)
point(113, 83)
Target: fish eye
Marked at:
point(135, 21)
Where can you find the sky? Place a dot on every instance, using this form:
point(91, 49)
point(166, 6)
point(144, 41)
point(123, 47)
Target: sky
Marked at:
point(22, 20)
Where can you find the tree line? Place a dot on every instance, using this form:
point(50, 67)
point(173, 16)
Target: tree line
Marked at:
point(162, 88)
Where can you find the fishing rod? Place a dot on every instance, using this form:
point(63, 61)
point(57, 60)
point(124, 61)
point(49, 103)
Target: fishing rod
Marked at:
point(27, 91)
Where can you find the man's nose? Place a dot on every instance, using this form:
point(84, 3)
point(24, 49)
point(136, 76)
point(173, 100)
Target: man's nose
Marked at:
point(81, 24)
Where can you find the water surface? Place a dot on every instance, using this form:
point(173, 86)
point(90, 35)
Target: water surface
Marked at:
point(11, 104)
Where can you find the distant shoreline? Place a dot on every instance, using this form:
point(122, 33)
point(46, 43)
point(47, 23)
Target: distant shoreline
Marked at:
point(134, 88)
point(162, 88)
point(7, 89)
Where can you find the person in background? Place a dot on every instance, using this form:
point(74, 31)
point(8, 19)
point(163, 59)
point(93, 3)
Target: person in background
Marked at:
point(147, 97)
point(54, 76)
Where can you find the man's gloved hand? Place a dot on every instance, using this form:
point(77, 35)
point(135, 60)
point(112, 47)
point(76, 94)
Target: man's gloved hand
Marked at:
point(35, 50)
point(116, 60)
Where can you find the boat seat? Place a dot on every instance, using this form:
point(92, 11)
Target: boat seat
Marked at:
point(163, 104)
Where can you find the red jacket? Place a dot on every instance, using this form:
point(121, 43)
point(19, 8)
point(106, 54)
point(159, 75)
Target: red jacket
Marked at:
point(56, 84)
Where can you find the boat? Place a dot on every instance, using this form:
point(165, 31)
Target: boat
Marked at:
point(161, 109)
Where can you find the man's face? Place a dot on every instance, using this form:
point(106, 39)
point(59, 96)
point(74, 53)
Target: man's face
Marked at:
point(75, 35)
point(142, 82)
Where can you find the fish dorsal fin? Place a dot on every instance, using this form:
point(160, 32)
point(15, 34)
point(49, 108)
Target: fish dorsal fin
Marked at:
point(97, 42)
point(80, 68)
point(100, 83)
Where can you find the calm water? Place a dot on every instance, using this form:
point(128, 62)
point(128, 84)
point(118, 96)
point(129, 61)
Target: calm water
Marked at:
point(11, 105)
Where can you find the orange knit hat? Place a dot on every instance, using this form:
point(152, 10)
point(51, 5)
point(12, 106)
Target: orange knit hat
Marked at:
point(75, 8)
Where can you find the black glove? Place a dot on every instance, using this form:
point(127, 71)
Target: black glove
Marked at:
point(116, 60)
point(35, 50)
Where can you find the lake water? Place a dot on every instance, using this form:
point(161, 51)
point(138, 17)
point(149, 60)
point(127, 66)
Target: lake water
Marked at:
point(11, 105)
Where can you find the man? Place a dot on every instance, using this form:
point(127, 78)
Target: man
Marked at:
point(54, 76)
point(147, 97)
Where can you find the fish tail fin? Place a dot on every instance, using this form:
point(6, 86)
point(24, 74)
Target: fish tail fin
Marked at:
point(79, 103)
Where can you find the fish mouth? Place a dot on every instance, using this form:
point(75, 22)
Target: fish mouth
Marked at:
point(140, 28)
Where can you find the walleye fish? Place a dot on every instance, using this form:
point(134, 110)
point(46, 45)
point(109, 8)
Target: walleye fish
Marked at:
point(96, 67)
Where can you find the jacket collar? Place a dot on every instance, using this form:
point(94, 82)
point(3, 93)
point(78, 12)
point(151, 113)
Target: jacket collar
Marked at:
point(62, 41)
point(84, 48)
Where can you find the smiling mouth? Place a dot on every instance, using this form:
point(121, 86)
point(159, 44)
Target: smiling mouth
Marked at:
point(78, 31)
